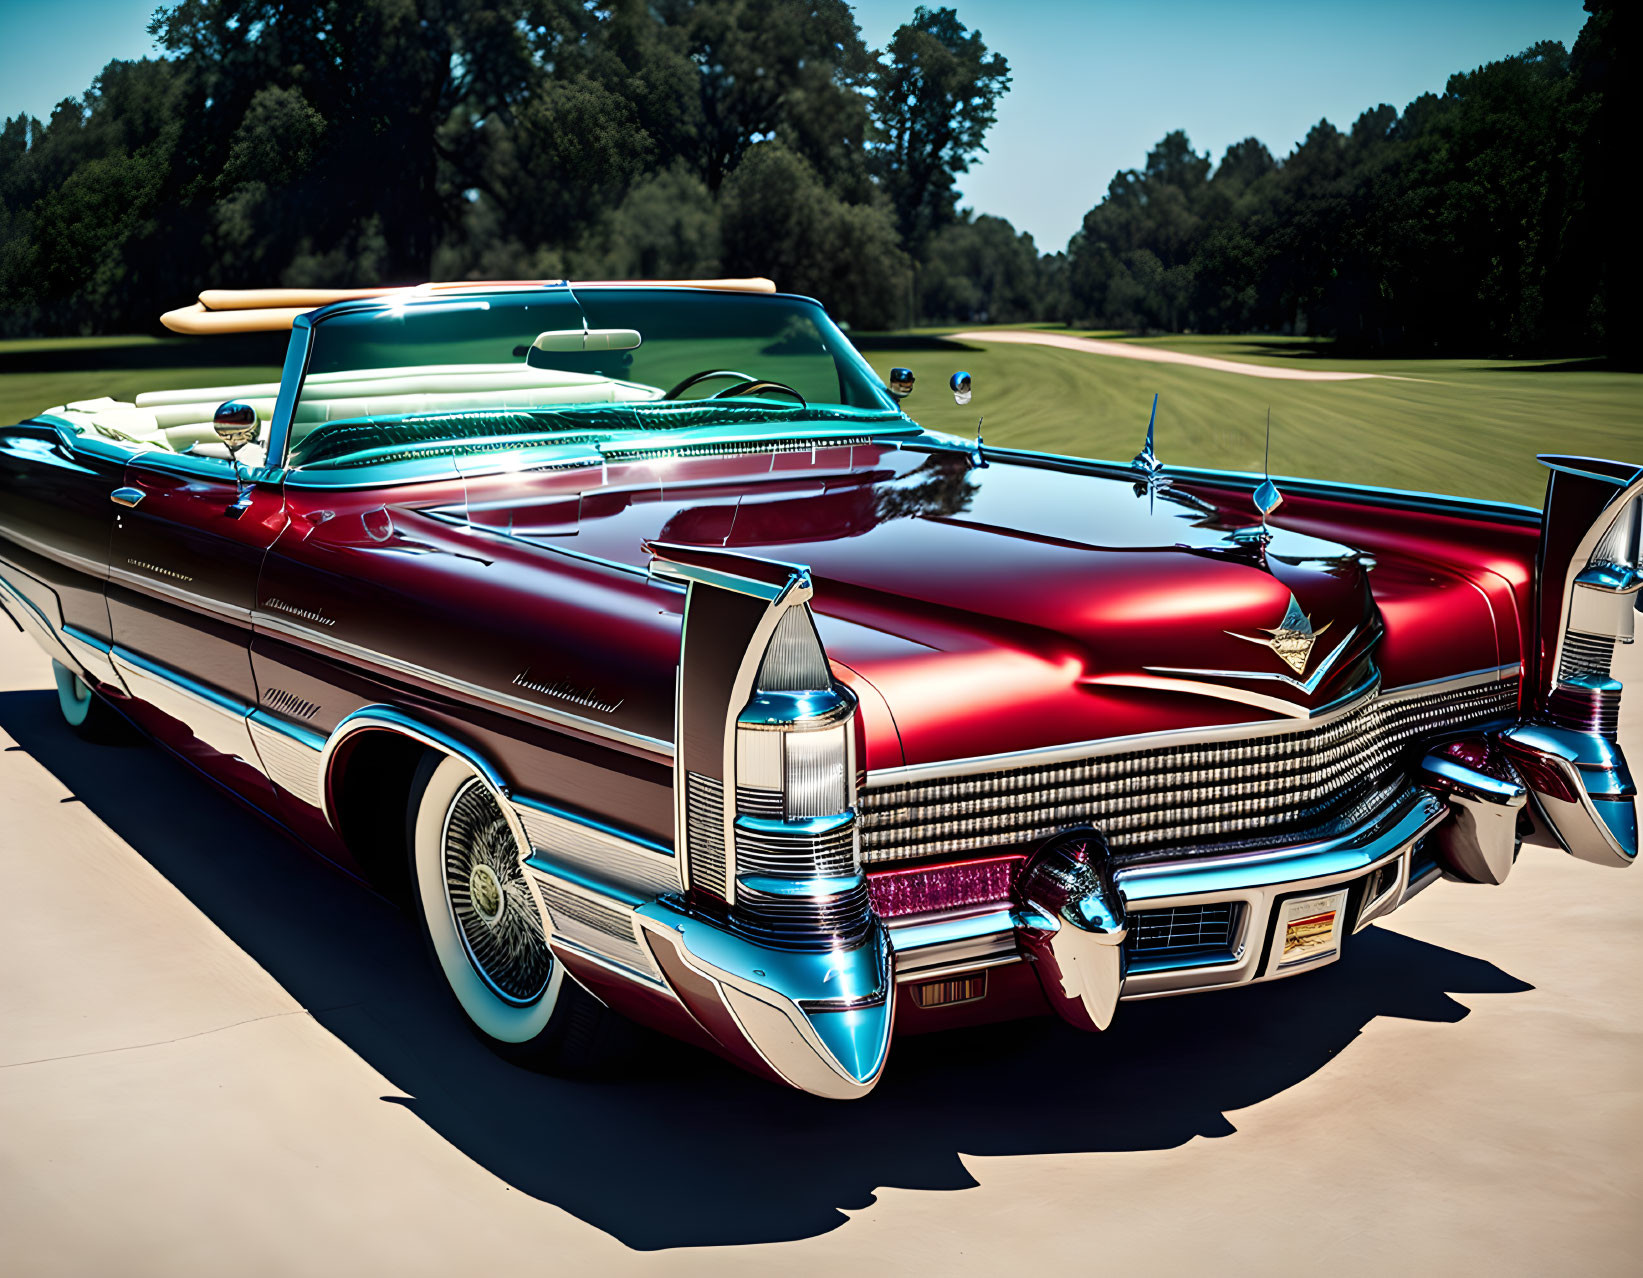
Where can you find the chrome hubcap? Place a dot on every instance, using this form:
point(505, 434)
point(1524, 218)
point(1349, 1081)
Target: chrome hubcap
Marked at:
point(490, 900)
point(486, 893)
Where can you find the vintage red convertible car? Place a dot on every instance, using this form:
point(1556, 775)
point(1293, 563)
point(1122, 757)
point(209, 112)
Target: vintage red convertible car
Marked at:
point(637, 638)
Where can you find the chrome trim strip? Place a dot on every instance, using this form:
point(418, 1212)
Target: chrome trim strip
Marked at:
point(1077, 751)
point(612, 896)
point(1408, 499)
point(446, 516)
point(923, 944)
point(530, 709)
point(292, 373)
point(200, 693)
point(958, 967)
point(1578, 561)
point(91, 567)
point(1146, 886)
point(223, 727)
point(580, 926)
point(200, 603)
point(596, 857)
point(306, 737)
point(615, 832)
point(93, 654)
point(1218, 691)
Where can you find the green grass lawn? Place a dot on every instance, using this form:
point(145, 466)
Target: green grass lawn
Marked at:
point(39, 373)
point(1468, 426)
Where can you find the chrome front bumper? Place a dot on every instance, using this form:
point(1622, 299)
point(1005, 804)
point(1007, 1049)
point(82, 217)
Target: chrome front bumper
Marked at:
point(1377, 855)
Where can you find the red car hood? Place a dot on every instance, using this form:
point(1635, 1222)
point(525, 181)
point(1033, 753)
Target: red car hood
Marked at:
point(1001, 608)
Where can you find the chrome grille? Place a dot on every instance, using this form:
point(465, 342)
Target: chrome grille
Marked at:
point(1187, 927)
point(705, 832)
point(796, 856)
point(1279, 783)
point(803, 922)
point(1585, 655)
point(760, 803)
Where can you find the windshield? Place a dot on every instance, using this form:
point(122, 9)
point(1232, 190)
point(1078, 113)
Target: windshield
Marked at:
point(557, 365)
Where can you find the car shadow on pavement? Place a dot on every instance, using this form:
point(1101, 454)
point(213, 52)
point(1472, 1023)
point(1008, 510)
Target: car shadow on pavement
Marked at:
point(684, 1150)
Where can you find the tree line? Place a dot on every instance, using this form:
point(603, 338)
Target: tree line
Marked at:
point(1493, 217)
point(374, 141)
point(386, 141)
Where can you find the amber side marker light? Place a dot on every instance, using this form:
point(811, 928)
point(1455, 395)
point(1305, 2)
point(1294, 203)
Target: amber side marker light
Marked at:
point(960, 989)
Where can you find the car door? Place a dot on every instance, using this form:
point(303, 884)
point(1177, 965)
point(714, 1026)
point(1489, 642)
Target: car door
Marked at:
point(183, 565)
point(56, 514)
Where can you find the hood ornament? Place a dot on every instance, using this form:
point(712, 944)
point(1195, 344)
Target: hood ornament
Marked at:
point(1292, 639)
point(1146, 461)
point(1267, 497)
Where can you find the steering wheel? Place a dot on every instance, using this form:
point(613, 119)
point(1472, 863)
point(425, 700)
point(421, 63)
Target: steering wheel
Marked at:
point(746, 385)
point(707, 376)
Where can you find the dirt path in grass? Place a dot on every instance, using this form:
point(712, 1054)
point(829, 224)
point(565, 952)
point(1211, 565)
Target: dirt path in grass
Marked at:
point(1122, 350)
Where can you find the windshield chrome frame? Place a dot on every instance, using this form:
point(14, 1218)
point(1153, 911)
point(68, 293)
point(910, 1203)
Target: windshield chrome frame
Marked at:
point(300, 350)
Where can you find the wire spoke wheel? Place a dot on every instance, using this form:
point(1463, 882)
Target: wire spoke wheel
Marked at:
point(489, 900)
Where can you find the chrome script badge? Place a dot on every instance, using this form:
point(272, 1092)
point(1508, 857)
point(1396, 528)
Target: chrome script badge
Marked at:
point(1293, 638)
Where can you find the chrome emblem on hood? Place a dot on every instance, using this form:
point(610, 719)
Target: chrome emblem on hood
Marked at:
point(1293, 637)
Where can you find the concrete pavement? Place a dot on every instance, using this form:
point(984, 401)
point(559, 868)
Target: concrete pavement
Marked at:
point(220, 1056)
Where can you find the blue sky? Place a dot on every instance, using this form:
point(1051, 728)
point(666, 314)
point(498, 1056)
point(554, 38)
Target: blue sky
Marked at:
point(1096, 83)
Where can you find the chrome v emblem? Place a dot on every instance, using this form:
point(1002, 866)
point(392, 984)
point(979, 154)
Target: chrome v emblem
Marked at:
point(1292, 638)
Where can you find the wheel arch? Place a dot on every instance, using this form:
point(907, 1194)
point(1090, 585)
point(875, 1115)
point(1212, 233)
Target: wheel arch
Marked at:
point(366, 768)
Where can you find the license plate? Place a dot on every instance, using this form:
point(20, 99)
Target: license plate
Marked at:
point(1312, 928)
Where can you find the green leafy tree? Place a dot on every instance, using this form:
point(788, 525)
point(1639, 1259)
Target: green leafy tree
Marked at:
point(936, 93)
point(780, 221)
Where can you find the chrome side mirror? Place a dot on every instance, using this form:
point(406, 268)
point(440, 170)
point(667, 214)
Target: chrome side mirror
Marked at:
point(236, 424)
point(901, 381)
point(959, 384)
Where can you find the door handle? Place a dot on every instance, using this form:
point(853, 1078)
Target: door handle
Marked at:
point(127, 497)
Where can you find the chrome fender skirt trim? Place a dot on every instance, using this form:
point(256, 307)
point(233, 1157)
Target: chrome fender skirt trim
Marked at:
point(1582, 787)
point(290, 756)
point(820, 1020)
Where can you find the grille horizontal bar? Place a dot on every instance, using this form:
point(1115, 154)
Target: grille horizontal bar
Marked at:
point(1206, 794)
point(797, 856)
point(1186, 927)
point(1589, 655)
point(803, 923)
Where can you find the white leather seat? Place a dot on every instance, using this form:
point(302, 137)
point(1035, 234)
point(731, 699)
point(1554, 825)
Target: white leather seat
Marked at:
point(180, 420)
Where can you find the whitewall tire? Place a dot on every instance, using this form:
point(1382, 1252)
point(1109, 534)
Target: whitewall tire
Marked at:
point(485, 933)
point(86, 712)
point(478, 911)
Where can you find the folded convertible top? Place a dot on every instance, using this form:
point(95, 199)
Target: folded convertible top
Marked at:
point(265, 310)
